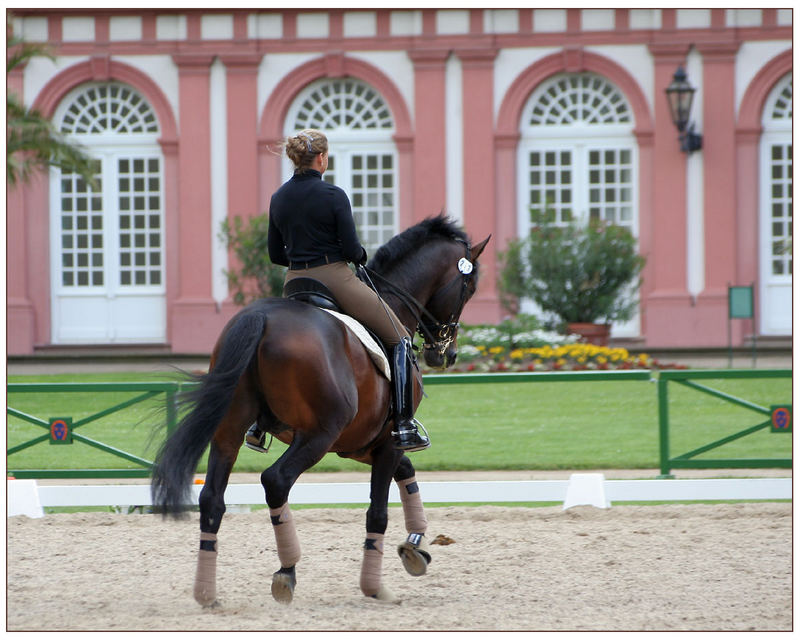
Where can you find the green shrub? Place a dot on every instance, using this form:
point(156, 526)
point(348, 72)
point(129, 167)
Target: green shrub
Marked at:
point(579, 273)
point(257, 277)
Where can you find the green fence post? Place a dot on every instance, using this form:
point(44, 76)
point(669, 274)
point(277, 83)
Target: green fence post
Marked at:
point(172, 409)
point(663, 427)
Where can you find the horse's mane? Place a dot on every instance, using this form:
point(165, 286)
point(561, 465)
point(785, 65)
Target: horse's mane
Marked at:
point(412, 239)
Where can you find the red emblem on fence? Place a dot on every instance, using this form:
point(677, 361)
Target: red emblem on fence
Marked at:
point(60, 431)
point(781, 419)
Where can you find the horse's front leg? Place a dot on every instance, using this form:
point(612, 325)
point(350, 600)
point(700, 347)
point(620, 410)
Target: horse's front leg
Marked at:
point(414, 552)
point(303, 453)
point(385, 460)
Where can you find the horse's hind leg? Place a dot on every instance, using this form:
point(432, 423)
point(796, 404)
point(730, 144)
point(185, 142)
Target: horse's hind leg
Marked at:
point(385, 459)
point(212, 508)
point(414, 552)
point(221, 458)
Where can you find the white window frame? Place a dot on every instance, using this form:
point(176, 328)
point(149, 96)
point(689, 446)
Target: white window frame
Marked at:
point(775, 132)
point(108, 149)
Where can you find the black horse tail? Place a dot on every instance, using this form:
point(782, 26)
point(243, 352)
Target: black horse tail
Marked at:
point(177, 458)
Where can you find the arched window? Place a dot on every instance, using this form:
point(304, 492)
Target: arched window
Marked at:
point(108, 241)
point(108, 108)
point(577, 154)
point(577, 158)
point(362, 158)
point(776, 210)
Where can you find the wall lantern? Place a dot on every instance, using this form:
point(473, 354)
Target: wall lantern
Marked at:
point(679, 96)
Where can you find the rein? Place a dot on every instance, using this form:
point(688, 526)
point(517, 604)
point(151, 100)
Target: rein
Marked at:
point(435, 334)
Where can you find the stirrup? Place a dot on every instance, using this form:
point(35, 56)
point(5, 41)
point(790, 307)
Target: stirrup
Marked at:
point(257, 444)
point(418, 444)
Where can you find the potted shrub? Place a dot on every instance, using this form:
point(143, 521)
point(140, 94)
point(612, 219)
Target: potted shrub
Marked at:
point(587, 275)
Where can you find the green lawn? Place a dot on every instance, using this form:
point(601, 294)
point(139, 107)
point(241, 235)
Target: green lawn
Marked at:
point(543, 425)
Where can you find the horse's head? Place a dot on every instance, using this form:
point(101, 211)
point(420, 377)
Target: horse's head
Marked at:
point(458, 282)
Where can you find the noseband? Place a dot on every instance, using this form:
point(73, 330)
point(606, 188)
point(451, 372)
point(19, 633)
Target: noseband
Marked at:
point(436, 335)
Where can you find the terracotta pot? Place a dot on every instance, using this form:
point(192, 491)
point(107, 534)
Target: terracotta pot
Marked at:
point(591, 332)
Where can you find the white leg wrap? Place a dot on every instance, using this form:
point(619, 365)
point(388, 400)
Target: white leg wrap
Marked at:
point(372, 564)
point(413, 510)
point(205, 581)
point(285, 536)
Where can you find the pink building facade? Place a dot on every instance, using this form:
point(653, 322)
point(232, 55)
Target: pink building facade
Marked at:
point(482, 113)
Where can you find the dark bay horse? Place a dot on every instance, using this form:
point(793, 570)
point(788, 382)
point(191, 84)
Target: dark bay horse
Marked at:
point(308, 380)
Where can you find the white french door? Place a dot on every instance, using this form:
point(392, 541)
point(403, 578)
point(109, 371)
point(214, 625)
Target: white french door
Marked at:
point(107, 251)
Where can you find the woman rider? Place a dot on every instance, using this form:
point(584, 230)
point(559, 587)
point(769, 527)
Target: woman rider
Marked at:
point(311, 231)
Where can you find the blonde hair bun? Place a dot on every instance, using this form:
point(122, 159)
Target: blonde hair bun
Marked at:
point(302, 147)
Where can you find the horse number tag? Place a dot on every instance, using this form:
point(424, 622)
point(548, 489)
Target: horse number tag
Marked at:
point(465, 266)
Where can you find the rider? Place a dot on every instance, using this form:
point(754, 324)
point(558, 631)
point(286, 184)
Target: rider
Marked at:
point(311, 231)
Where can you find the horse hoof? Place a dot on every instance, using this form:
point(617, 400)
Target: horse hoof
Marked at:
point(211, 605)
point(205, 595)
point(414, 554)
point(385, 595)
point(283, 584)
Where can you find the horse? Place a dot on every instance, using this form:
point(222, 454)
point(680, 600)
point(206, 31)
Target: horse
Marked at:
point(304, 377)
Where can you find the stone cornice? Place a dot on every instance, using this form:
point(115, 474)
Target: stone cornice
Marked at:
point(193, 62)
point(477, 57)
point(669, 52)
point(719, 50)
point(242, 62)
point(429, 58)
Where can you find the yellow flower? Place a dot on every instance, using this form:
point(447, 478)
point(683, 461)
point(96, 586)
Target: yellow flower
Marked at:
point(517, 354)
point(496, 350)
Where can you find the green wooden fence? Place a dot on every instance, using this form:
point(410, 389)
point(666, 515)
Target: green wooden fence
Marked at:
point(63, 430)
point(778, 419)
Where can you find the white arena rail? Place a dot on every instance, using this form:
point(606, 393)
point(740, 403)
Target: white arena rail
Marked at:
point(590, 489)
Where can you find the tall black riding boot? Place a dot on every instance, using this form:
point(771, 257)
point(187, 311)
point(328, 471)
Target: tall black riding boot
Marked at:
point(406, 429)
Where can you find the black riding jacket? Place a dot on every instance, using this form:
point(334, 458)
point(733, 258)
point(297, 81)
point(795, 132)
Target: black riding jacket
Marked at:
point(311, 220)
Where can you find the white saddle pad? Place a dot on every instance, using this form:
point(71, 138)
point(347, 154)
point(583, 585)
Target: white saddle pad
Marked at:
point(372, 347)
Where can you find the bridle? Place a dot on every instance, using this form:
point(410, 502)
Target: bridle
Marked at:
point(436, 335)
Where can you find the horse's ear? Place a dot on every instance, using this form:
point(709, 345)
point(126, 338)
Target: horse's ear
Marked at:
point(478, 248)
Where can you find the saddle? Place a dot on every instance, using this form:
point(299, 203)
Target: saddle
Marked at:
point(313, 292)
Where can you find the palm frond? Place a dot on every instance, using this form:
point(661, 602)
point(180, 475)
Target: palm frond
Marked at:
point(32, 142)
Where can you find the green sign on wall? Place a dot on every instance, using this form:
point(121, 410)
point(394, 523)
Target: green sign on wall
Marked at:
point(740, 302)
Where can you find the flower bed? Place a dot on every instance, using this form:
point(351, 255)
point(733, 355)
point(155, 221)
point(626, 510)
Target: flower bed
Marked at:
point(521, 345)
